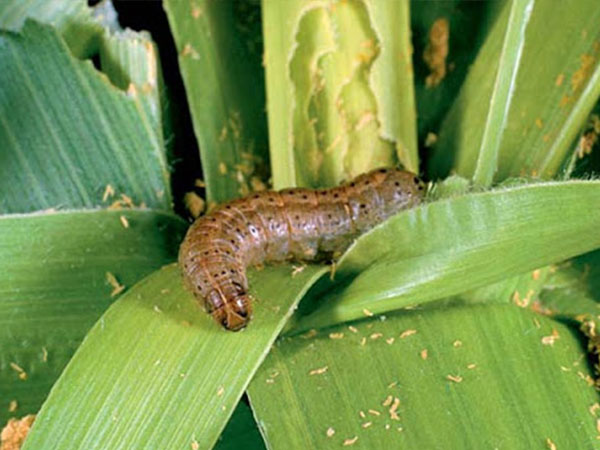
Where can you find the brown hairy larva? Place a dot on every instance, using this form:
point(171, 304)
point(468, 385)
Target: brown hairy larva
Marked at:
point(300, 224)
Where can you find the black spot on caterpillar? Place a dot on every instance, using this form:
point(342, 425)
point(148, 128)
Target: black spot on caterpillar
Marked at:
point(301, 224)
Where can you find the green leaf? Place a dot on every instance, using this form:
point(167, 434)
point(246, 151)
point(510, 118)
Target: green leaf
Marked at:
point(157, 369)
point(73, 19)
point(522, 290)
point(450, 246)
point(13, 13)
point(130, 60)
point(477, 17)
point(503, 91)
point(573, 288)
point(392, 79)
point(223, 78)
point(341, 99)
point(507, 389)
point(127, 57)
point(67, 132)
point(55, 287)
point(555, 89)
point(572, 295)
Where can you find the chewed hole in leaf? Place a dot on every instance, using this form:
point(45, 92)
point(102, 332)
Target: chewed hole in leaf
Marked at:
point(336, 131)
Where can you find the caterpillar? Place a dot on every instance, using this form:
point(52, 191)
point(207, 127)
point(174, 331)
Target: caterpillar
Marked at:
point(302, 224)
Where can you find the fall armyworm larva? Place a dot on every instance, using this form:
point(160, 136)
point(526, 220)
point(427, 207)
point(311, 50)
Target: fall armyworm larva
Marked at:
point(301, 224)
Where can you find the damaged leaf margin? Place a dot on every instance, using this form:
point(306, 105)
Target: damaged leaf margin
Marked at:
point(339, 124)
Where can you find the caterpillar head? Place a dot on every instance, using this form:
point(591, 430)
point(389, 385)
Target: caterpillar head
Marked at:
point(399, 189)
point(232, 313)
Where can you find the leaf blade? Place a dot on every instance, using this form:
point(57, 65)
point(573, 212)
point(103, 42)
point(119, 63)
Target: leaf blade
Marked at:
point(224, 86)
point(72, 19)
point(57, 163)
point(438, 251)
point(483, 370)
point(196, 358)
point(55, 287)
point(538, 133)
point(508, 66)
point(330, 118)
point(393, 81)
